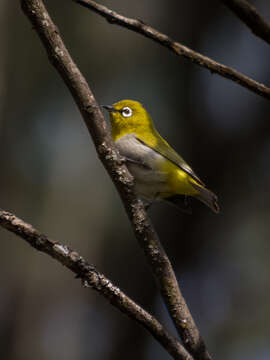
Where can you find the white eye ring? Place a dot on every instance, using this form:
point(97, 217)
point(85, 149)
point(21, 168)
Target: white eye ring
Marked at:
point(126, 111)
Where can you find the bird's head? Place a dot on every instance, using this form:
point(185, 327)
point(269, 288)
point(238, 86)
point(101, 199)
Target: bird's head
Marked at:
point(128, 116)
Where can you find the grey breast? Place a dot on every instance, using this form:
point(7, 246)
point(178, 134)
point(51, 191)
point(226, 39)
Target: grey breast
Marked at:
point(142, 162)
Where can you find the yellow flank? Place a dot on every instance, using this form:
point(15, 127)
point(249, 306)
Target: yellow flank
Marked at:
point(178, 180)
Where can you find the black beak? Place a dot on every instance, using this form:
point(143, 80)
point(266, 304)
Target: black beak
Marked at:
point(110, 108)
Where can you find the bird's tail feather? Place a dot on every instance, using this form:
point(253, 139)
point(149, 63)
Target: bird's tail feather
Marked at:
point(207, 197)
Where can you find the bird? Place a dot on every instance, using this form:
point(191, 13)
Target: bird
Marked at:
point(159, 172)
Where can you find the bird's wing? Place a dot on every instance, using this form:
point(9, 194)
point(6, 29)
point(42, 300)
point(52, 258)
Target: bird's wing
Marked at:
point(158, 144)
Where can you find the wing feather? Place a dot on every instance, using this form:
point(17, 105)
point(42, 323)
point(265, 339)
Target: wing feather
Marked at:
point(158, 144)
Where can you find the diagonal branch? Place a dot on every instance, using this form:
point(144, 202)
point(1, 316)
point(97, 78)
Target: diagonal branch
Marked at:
point(94, 279)
point(179, 49)
point(250, 16)
point(108, 154)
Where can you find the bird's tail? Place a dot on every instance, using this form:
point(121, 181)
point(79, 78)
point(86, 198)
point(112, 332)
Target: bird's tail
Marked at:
point(207, 197)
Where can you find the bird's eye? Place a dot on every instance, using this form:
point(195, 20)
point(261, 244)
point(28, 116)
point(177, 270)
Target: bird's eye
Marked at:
point(126, 112)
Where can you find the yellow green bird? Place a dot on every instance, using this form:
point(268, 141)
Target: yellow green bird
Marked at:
point(159, 172)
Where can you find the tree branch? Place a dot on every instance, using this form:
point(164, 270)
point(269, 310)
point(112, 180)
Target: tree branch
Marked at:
point(108, 154)
point(94, 279)
point(250, 16)
point(179, 49)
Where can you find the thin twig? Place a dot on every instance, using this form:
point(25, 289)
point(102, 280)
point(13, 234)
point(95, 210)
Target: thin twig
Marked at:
point(179, 49)
point(94, 279)
point(250, 16)
point(143, 229)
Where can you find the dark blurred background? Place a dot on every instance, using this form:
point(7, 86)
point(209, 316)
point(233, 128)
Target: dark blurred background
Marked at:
point(51, 177)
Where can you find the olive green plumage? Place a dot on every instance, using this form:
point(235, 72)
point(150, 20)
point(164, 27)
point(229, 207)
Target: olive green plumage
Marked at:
point(159, 172)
